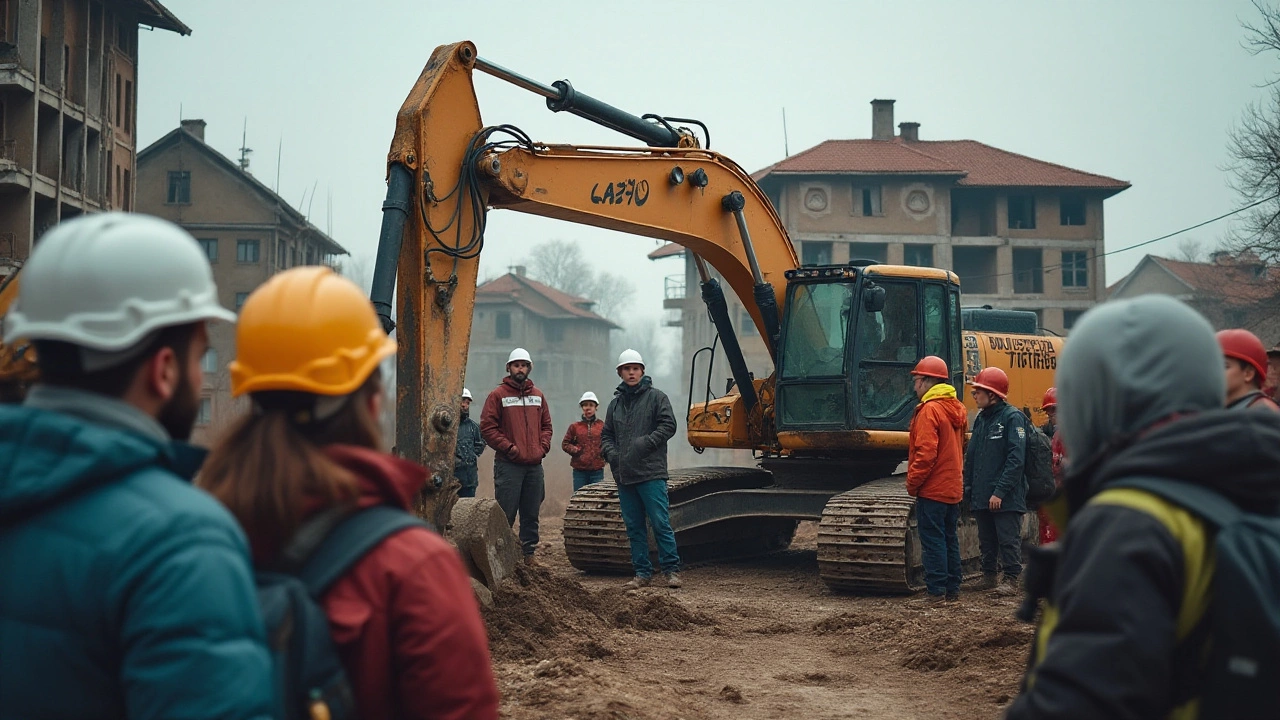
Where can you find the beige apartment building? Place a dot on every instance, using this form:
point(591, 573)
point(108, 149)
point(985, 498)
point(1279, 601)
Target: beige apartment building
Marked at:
point(68, 111)
point(1021, 233)
point(248, 232)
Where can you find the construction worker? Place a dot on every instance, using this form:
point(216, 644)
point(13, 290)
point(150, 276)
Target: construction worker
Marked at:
point(994, 481)
point(516, 423)
point(582, 443)
point(637, 426)
point(403, 617)
point(1049, 533)
point(1246, 370)
point(935, 466)
point(1141, 397)
point(467, 452)
point(126, 592)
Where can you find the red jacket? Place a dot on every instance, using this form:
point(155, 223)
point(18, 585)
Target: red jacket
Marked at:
point(404, 618)
point(582, 442)
point(935, 459)
point(516, 422)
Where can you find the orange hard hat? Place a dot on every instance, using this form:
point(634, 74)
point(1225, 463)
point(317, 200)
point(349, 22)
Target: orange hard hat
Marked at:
point(1244, 346)
point(992, 379)
point(308, 330)
point(931, 366)
point(1050, 399)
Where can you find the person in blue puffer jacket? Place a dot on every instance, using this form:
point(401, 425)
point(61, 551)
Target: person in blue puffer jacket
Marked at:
point(125, 592)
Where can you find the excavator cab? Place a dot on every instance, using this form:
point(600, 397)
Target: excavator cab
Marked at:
point(850, 338)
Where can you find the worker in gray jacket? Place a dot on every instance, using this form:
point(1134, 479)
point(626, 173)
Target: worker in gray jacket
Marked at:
point(637, 426)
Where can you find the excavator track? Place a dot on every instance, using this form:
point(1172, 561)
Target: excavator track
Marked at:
point(595, 537)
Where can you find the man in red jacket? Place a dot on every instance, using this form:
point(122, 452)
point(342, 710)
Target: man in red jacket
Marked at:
point(582, 443)
point(935, 466)
point(516, 423)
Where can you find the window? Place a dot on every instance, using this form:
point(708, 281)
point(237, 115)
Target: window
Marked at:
point(869, 251)
point(555, 332)
point(1022, 212)
point(128, 106)
point(293, 257)
point(280, 254)
point(210, 247)
point(246, 251)
point(1075, 269)
point(866, 200)
point(179, 188)
point(819, 323)
point(209, 362)
point(1070, 318)
point(502, 325)
point(888, 342)
point(918, 255)
point(119, 93)
point(976, 267)
point(1028, 270)
point(127, 187)
point(935, 321)
point(815, 253)
point(240, 298)
point(205, 415)
point(1071, 210)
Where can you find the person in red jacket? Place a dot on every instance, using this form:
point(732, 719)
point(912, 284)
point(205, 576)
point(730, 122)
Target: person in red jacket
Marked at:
point(935, 467)
point(582, 443)
point(1048, 532)
point(516, 423)
point(404, 619)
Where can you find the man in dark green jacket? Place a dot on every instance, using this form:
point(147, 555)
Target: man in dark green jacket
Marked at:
point(637, 426)
point(126, 592)
point(470, 446)
point(994, 482)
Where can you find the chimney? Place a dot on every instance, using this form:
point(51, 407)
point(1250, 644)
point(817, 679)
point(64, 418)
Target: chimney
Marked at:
point(194, 127)
point(518, 270)
point(910, 131)
point(881, 119)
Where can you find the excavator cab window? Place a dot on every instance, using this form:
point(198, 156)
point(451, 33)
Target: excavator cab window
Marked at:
point(815, 355)
point(887, 347)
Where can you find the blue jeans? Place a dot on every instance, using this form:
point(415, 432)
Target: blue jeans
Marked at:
point(939, 545)
point(586, 477)
point(469, 476)
point(648, 500)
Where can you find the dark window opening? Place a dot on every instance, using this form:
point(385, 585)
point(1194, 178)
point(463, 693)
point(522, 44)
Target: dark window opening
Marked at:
point(210, 246)
point(1071, 210)
point(815, 253)
point(918, 255)
point(280, 254)
point(119, 98)
point(128, 106)
point(973, 213)
point(555, 332)
point(127, 203)
point(1075, 269)
point(1070, 317)
point(502, 325)
point(179, 188)
point(240, 298)
point(869, 251)
point(1022, 212)
point(976, 267)
point(246, 251)
point(1028, 270)
point(866, 200)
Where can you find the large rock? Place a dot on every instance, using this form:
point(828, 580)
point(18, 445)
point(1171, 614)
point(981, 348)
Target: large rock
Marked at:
point(488, 546)
point(483, 596)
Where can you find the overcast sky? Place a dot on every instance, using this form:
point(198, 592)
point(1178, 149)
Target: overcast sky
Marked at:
point(1144, 91)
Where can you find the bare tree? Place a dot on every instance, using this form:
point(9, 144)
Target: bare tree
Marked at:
point(1254, 146)
point(559, 263)
point(1190, 250)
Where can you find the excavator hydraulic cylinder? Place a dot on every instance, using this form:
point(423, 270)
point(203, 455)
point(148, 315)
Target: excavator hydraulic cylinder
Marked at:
point(395, 213)
point(713, 296)
point(766, 299)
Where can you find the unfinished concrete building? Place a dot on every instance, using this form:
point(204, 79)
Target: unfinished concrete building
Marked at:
point(68, 111)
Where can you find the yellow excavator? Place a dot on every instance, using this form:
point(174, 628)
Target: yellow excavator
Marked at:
point(17, 361)
point(829, 426)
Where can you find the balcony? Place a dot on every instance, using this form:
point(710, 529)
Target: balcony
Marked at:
point(673, 293)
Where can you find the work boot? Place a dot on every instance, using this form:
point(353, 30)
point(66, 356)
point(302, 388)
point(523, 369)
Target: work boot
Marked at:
point(989, 581)
point(953, 597)
point(1008, 587)
point(673, 580)
point(530, 561)
point(638, 582)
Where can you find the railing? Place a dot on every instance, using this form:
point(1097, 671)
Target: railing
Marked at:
point(9, 150)
point(673, 287)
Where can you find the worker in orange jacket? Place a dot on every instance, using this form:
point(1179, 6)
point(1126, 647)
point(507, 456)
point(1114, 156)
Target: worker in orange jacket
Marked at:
point(935, 466)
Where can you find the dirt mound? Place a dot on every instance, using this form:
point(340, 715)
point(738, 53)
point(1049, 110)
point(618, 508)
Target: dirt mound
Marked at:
point(973, 648)
point(537, 613)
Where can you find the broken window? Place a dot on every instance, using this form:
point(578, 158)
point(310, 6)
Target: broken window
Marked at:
point(815, 253)
point(976, 267)
point(866, 200)
point(1022, 212)
point(1075, 269)
point(1071, 209)
point(179, 188)
point(869, 251)
point(502, 325)
point(1028, 270)
point(917, 254)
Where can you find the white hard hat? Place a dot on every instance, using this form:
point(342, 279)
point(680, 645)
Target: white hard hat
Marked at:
point(588, 395)
point(519, 354)
point(107, 281)
point(630, 357)
point(466, 394)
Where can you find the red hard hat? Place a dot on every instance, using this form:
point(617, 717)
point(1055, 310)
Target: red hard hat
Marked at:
point(994, 380)
point(932, 366)
point(1244, 346)
point(1050, 399)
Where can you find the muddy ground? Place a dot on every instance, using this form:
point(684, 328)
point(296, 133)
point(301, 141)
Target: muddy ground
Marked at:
point(752, 639)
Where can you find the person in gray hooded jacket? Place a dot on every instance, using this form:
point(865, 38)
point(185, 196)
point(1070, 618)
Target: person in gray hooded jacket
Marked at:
point(637, 426)
point(1141, 388)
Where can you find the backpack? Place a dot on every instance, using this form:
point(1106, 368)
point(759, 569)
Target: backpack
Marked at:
point(1037, 467)
point(309, 678)
point(1241, 673)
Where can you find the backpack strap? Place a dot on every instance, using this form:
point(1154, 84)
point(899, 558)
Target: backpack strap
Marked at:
point(1209, 505)
point(345, 539)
